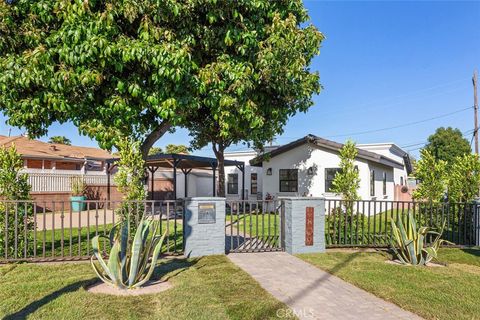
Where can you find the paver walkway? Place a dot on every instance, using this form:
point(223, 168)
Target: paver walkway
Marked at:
point(312, 293)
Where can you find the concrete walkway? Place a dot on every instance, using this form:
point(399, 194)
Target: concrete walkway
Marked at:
point(312, 293)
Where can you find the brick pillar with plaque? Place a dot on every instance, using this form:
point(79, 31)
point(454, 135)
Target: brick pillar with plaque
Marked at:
point(304, 224)
point(204, 226)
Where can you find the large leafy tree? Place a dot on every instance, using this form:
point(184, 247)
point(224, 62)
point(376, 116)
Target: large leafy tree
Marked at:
point(254, 76)
point(447, 143)
point(114, 68)
point(230, 71)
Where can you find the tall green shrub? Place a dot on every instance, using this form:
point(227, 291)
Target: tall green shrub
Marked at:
point(346, 184)
point(347, 180)
point(13, 186)
point(130, 175)
point(463, 180)
point(432, 175)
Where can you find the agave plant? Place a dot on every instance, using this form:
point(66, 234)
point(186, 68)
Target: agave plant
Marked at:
point(130, 263)
point(408, 242)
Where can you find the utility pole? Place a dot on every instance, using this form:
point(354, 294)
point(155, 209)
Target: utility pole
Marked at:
point(475, 108)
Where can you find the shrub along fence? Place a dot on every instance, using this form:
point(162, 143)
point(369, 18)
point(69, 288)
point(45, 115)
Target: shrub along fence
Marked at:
point(367, 223)
point(62, 230)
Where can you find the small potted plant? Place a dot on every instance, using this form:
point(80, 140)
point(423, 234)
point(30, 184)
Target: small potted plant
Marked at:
point(78, 197)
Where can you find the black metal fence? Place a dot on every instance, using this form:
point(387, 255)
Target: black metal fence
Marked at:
point(62, 230)
point(254, 226)
point(368, 223)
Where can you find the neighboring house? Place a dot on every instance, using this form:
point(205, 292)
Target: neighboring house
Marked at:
point(307, 167)
point(403, 189)
point(233, 177)
point(394, 152)
point(51, 167)
point(42, 157)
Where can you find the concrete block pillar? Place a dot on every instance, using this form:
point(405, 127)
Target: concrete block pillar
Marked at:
point(304, 219)
point(204, 226)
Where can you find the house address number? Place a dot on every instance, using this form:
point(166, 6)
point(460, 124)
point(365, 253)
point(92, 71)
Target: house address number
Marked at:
point(309, 226)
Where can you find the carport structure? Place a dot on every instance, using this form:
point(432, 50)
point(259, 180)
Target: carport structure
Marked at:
point(183, 162)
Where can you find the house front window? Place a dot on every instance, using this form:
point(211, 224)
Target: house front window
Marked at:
point(253, 183)
point(384, 183)
point(372, 183)
point(232, 183)
point(329, 177)
point(288, 180)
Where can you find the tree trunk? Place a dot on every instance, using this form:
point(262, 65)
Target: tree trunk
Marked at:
point(219, 154)
point(153, 137)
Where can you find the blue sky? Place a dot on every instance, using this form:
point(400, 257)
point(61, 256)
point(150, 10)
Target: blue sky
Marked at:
point(383, 64)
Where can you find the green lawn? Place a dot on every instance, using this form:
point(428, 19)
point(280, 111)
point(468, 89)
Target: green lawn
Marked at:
point(451, 292)
point(206, 288)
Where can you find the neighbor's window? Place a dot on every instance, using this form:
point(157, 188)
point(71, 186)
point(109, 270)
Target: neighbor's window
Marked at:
point(329, 176)
point(65, 165)
point(384, 183)
point(47, 164)
point(253, 183)
point(288, 180)
point(372, 183)
point(34, 164)
point(232, 183)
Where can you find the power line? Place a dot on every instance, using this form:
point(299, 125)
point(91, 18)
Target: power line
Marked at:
point(386, 101)
point(401, 125)
point(425, 142)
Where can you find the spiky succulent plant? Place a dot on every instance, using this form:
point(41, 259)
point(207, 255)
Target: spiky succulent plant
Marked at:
point(408, 243)
point(130, 263)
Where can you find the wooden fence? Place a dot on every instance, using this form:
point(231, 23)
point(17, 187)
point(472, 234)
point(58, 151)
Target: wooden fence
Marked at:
point(61, 182)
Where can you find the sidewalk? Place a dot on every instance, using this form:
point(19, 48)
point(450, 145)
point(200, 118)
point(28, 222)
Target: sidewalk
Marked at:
point(312, 293)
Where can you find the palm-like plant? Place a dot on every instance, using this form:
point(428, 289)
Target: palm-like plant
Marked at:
point(60, 140)
point(130, 263)
point(408, 242)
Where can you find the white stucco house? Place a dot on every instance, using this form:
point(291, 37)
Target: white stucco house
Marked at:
point(253, 177)
point(307, 166)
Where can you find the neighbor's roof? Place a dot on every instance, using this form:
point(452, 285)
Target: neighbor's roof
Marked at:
point(327, 144)
point(37, 149)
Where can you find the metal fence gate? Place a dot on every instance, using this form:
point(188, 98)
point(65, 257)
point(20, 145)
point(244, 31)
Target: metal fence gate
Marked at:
point(254, 226)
